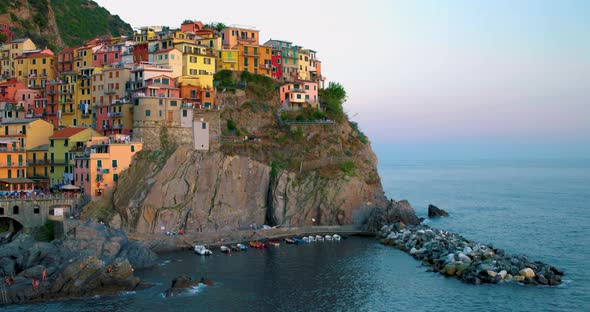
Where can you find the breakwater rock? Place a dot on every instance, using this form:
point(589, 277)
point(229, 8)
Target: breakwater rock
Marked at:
point(451, 254)
point(434, 212)
point(182, 284)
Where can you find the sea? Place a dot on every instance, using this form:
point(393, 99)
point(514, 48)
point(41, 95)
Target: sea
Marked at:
point(537, 207)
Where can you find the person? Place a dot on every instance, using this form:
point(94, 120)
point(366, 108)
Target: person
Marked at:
point(181, 232)
point(7, 280)
point(12, 279)
point(44, 274)
point(109, 269)
point(35, 284)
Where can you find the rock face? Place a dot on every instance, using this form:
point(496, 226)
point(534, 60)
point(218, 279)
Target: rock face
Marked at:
point(452, 255)
point(213, 192)
point(92, 260)
point(181, 285)
point(434, 212)
point(398, 213)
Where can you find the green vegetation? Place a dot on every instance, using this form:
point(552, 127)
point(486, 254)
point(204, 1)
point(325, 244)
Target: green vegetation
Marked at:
point(298, 134)
point(231, 125)
point(360, 135)
point(332, 98)
point(217, 26)
point(46, 233)
point(347, 167)
point(306, 114)
point(81, 20)
point(260, 86)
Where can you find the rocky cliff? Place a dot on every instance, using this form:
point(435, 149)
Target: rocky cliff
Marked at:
point(60, 23)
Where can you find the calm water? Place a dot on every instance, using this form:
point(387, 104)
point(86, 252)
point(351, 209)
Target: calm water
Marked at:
point(540, 208)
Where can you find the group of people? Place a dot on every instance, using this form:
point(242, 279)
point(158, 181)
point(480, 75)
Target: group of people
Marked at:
point(10, 280)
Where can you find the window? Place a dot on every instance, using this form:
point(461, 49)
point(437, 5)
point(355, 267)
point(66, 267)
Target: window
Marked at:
point(184, 113)
point(36, 210)
point(52, 169)
point(1, 211)
point(51, 143)
point(203, 125)
point(66, 142)
point(306, 87)
point(115, 177)
point(298, 96)
point(132, 148)
point(148, 113)
point(15, 210)
point(99, 163)
point(114, 163)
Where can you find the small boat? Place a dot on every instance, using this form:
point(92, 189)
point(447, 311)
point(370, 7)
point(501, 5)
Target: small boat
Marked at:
point(201, 250)
point(319, 238)
point(274, 243)
point(298, 240)
point(235, 248)
point(328, 237)
point(312, 238)
point(242, 246)
point(290, 241)
point(336, 237)
point(256, 244)
point(306, 239)
point(224, 249)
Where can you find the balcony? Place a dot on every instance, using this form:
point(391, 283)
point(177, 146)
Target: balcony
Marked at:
point(68, 112)
point(38, 162)
point(85, 116)
point(110, 91)
point(118, 126)
point(114, 114)
point(186, 105)
point(21, 164)
point(121, 101)
point(266, 66)
point(11, 150)
point(59, 162)
point(12, 134)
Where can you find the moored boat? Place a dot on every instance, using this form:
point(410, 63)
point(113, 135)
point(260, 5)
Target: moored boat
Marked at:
point(256, 244)
point(242, 247)
point(290, 241)
point(319, 238)
point(328, 237)
point(235, 248)
point(336, 237)
point(298, 240)
point(312, 238)
point(201, 250)
point(274, 243)
point(224, 249)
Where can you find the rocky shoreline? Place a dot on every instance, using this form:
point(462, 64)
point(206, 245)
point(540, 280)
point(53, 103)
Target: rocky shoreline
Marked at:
point(92, 260)
point(452, 255)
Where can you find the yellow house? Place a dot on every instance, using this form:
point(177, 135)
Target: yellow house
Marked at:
point(67, 98)
point(83, 98)
point(29, 132)
point(11, 51)
point(38, 164)
point(146, 34)
point(36, 69)
point(212, 42)
point(227, 59)
point(198, 62)
point(303, 64)
point(13, 166)
point(63, 146)
point(83, 56)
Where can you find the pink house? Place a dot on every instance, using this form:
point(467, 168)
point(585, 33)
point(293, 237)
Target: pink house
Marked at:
point(299, 94)
point(107, 54)
point(158, 86)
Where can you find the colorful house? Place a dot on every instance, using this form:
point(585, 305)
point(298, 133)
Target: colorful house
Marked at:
point(98, 169)
point(36, 69)
point(232, 36)
point(197, 62)
point(299, 94)
point(277, 63)
point(5, 30)
point(227, 59)
point(11, 51)
point(111, 107)
point(13, 166)
point(38, 165)
point(196, 97)
point(289, 54)
point(65, 60)
point(29, 132)
point(170, 58)
point(64, 145)
point(107, 54)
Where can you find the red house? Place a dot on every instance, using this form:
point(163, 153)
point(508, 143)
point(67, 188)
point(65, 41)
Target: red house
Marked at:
point(277, 64)
point(141, 53)
point(106, 55)
point(5, 29)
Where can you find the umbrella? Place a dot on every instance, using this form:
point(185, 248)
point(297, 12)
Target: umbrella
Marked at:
point(69, 187)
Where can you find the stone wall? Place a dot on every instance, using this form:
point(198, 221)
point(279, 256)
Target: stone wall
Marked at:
point(27, 214)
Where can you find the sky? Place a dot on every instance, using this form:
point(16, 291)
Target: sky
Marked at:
point(507, 76)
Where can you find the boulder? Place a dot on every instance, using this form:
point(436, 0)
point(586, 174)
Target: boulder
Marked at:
point(542, 279)
point(450, 269)
point(434, 212)
point(181, 284)
point(518, 278)
point(503, 274)
point(527, 273)
point(492, 273)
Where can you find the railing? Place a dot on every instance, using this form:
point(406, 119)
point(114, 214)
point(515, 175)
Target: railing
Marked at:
point(9, 150)
point(114, 114)
point(110, 91)
point(59, 162)
point(39, 162)
point(11, 134)
point(13, 164)
point(121, 101)
point(186, 105)
point(118, 126)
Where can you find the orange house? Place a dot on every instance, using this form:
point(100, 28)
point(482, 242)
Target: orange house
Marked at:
point(255, 59)
point(197, 96)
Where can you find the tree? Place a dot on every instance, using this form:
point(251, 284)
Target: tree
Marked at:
point(333, 97)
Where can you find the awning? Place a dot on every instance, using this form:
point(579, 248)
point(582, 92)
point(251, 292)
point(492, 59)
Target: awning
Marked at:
point(69, 187)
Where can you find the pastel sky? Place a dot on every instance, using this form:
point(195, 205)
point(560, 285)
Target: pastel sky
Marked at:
point(430, 71)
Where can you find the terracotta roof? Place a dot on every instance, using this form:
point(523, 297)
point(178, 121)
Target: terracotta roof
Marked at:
point(66, 133)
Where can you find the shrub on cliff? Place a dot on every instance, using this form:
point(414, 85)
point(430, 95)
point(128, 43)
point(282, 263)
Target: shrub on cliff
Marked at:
point(332, 99)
